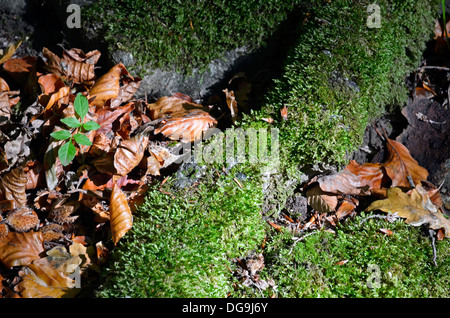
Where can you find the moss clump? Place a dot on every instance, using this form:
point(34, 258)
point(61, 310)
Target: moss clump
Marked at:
point(186, 34)
point(396, 266)
point(181, 246)
point(341, 74)
point(338, 76)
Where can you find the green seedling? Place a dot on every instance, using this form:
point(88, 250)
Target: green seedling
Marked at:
point(67, 150)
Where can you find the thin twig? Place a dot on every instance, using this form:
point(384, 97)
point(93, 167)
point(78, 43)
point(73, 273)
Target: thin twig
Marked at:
point(440, 68)
point(432, 233)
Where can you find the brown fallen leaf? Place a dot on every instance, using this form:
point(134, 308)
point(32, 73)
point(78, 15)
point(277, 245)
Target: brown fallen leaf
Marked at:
point(108, 85)
point(176, 105)
point(355, 179)
point(345, 208)
point(13, 186)
point(187, 128)
point(284, 113)
point(413, 207)
point(18, 249)
point(400, 165)
point(320, 200)
point(129, 154)
point(41, 280)
point(121, 219)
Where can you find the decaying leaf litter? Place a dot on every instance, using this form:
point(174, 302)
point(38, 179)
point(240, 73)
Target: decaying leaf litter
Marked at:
point(59, 221)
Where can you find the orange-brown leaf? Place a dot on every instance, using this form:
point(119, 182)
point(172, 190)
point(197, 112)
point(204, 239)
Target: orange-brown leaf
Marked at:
point(13, 186)
point(18, 249)
point(121, 219)
point(107, 86)
point(400, 164)
point(174, 106)
point(187, 128)
point(41, 280)
point(129, 154)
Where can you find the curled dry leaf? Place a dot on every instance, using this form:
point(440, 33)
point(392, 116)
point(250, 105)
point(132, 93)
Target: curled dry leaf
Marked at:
point(355, 179)
point(320, 200)
point(187, 128)
point(129, 154)
point(18, 249)
point(129, 87)
point(121, 219)
point(74, 65)
point(174, 106)
point(160, 157)
point(345, 208)
point(108, 86)
point(400, 165)
point(22, 219)
point(13, 186)
point(41, 280)
point(107, 116)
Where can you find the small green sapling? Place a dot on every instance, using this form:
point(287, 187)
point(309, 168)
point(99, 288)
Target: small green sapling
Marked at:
point(67, 150)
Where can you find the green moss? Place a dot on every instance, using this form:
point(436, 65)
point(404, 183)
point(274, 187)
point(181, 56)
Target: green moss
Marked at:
point(340, 74)
point(377, 265)
point(181, 246)
point(186, 34)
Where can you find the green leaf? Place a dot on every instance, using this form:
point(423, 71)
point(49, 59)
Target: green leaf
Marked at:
point(82, 139)
point(72, 122)
point(66, 153)
point(91, 125)
point(61, 135)
point(81, 105)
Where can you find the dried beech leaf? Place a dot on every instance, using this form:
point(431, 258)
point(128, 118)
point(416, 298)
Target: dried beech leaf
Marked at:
point(346, 208)
point(18, 249)
point(188, 128)
point(126, 91)
point(107, 86)
point(13, 185)
point(355, 179)
point(400, 164)
point(174, 106)
point(107, 115)
point(129, 154)
point(42, 280)
point(20, 68)
point(321, 201)
point(121, 219)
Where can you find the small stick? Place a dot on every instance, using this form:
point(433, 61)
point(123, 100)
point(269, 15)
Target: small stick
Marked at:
point(432, 233)
point(441, 68)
